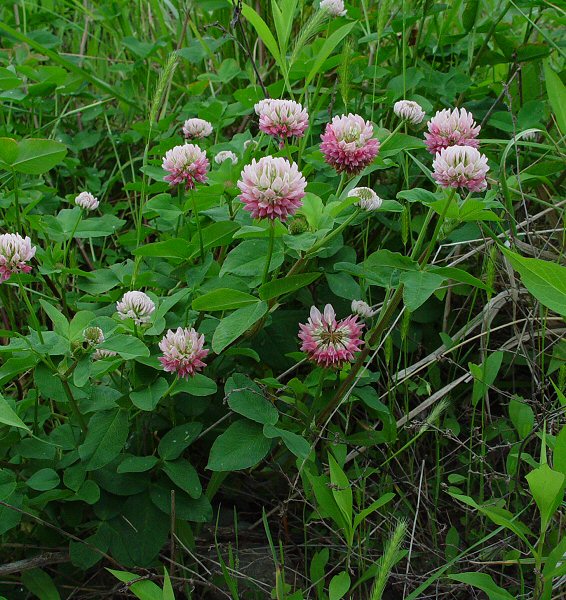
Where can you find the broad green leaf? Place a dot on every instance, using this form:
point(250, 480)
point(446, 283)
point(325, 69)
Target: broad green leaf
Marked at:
point(127, 346)
point(484, 582)
point(248, 259)
point(144, 590)
point(8, 151)
point(38, 156)
point(241, 446)
point(9, 417)
point(197, 385)
point(172, 248)
point(223, 299)
point(341, 489)
point(137, 464)
point(295, 443)
point(458, 275)
point(377, 504)
point(186, 508)
point(60, 323)
point(485, 375)
point(184, 475)
point(263, 31)
point(96, 227)
point(40, 584)
point(168, 593)
point(339, 586)
point(326, 503)
point(559, 454)
point(107, 435)
point(176, 440)
point(235, 324)
point(43, 480)
point(546, 281)
point(278, 287)
point(148, 397)
point(547, 488)
point(246, 398)
point(557, 95)
point(418, 287)
point(522, 417)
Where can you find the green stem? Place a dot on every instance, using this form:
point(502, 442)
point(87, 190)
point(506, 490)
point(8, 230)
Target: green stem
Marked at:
point(341, 185)
point(68, 244)
point(32, 314)
point(195, 212)
point(74, 405)
point(17, 200)
point(269, 251)
point(333, 233)
point(391, 135)
point(437, 228)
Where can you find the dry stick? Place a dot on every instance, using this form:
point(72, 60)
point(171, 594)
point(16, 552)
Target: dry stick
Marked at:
point(414, 527)
point(42, 560)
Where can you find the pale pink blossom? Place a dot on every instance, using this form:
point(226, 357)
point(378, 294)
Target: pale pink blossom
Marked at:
point(329, 342)
point(334, 8)
point(348, 145)
point(183, 351)
point(409, 111)
point(186, 164)
point(368, 199)
point(101, 354)
point(451, 128)
point(195, 129)
point(226, 155)
point(15, 253)
point(363, 309)
point(93, 336)
point(282, 118)
point(87, 201)
point(461, 166)
point(271, 188)
point(137, 306)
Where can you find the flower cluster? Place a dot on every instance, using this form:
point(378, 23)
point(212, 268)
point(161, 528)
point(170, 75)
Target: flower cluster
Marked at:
point(335, 8)
point(187, 165)
point(226, 155)
point(348, 144)
point(196, 129)
point(15, 254)
point(363, 309)
point(183, 351)
point(328, 342)
point(93, 336)
point(87, 201)
point(137, 306)
point(368, 199)
point(451, 128)
point(461, 166)
point(271, 188)
point(282, 118)
point(409, 111)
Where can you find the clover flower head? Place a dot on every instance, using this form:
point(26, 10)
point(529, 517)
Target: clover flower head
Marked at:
point(183, 351)
point(226, 155)
point(15, 254)
point(409, 111)
point(196, 129)
point(368, 199)
point(451, 128)
point(461, 167)
point(137, 306)
point(348, 145)
point(187, 165)
point(282, 118)
point(271, 188)
point(87, 201)
point(328, 342)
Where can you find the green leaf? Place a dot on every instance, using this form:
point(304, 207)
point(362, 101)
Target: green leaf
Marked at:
point(172, 248)
point(8, 151)
point(96, 227)
point(234, 325)
point(295, 443)
point(278, 287)
point(248, 259)
point(168, 593)
point(197, 385)
point(485, 375)
point(559, 454)
point(547, 488)
point(60, 323)
point(184, 475)
point(522, 417)
point(9, 417)
point(137, 464)
point(377, 504)
point(339, 586)
point(107, 435)
point(127, 346)
point(418, 287)
point(223, 299)
point(43, 480)
point(247, 399)
point(241, 446)
point(484, 582)
point(40, 584)
point(38, 156)
point(327, 48)
point(341, 489)
point(263, 32)
point(557, 96)
point(546, 281)
point(458, 275)
point(148, 398)
point(144, 590)
point(176, 440)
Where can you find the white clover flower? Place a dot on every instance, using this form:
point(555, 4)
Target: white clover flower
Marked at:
point(137, 306)
point(409, 111)
point(334, 8)
point(363, 309)
point(368, 199)
point(87, 201)
point(225, 155)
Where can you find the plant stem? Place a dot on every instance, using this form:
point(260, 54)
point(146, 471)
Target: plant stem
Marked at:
point(269, 251)
point(195, 212)
point(68, 244)
point(32, 314)
point(74, 405)
point(17, 200)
